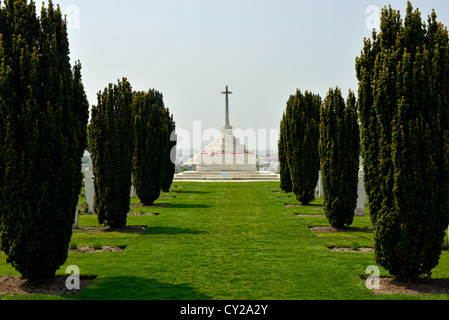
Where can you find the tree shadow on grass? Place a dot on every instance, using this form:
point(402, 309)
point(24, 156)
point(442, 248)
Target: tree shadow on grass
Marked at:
point(196, 192)
point(171, 231)
point(126, 229)
point(137, 288)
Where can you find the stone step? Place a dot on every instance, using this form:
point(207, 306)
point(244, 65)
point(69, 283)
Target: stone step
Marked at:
point(224, 176)
point(228, 169)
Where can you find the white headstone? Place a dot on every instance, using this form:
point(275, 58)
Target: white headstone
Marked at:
point(89, 187)
point(75, 223)
point(319, 187)
point(361, 197)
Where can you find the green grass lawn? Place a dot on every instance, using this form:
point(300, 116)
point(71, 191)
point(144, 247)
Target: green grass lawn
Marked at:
point(226, 241)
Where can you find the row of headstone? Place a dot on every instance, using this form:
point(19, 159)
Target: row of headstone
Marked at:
point(361, 194)
point(90, 192)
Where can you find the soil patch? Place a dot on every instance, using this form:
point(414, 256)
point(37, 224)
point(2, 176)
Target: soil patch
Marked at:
point(18, 286)
point(388, 285)
point(348, 249)
point(332, 229)
point(143, 214)
point(127, 229)
point(90, 249)
point(310, 215)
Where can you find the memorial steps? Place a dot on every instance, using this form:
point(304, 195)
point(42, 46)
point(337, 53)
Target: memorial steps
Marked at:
point(226, 176)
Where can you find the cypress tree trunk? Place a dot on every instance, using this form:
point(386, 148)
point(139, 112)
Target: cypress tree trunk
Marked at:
point(339, 157)
point(149, 145)
point(302, 121)
point(43, 118)
point(406, 105)
point(111, 143)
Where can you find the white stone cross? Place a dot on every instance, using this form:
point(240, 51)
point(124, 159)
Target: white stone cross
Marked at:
point(227, 93)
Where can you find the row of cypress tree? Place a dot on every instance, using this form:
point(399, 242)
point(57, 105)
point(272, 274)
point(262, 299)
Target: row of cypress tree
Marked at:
point(131, 143)
point(44, 115)
point(403, 110)
point(324, 135)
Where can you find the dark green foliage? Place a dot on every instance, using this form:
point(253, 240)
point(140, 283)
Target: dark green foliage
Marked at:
point(301, 143)
point(111, 143)
point(339, 147)
point(81, 118)
point(150, 145)
point(284, 170)
point(170, 153)
point(43, 119)
point(403, 105)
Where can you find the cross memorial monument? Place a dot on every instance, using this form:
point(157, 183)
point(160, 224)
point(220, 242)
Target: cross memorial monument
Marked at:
point(226, 158)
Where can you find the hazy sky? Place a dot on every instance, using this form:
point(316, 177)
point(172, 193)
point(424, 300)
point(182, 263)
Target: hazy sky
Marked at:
point(191, 49)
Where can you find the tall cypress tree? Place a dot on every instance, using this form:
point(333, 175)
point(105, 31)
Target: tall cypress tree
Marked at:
point(284, 170)
point(43, 119)
point(404, 106)
point(170, 152)
point(111, 143)
point(339, 157)
point(150, 145)
point(302, 122)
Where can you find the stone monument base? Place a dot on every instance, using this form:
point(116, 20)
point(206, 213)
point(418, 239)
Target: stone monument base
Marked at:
point(247, 168)
point(226, 176)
